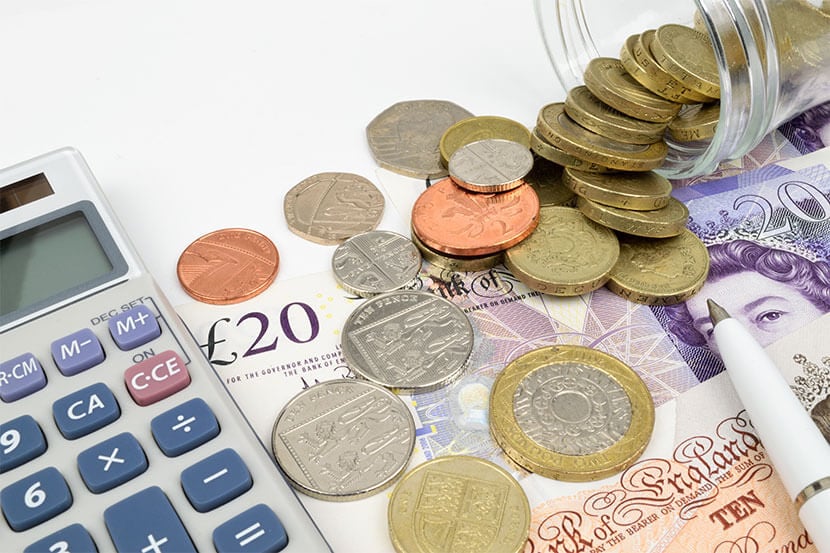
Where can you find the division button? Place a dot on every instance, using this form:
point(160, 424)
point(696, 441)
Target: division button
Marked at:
point(184, 427)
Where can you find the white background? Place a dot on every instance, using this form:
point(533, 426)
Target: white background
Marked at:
point(200, 115)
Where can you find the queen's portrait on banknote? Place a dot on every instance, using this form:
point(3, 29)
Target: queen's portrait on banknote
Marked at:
point(809, 131)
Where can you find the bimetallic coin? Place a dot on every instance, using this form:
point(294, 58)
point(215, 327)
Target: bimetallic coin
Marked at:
point(696, 122)
point(455, 221)
point(658, 223)
point(640, 191)
point(408, 341)
point(597, 116)
point(375, 262)
point(677, 91)
point(328, 208)
point(661, 271)
point(544, 149)
point(490, 165)
point(405, 137)
point(567, 254)
point(546, 179)
point(457, 263)
point(480, 128)
point(556, 127)
point(228, 266)
point(343, 439)
point(456, 504)
point(688, 56)
point(571, 413)
point(608, 80)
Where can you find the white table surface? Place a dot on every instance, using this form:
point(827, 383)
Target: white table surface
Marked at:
point(197, 115)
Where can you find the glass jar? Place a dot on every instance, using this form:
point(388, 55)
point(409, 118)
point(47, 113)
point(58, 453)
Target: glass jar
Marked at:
point(773, 57)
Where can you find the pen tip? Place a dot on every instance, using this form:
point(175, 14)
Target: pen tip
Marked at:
point(716, 312)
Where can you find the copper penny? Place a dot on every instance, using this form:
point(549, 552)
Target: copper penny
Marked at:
point(228, 266)
point(452, 220)
point(329, 208)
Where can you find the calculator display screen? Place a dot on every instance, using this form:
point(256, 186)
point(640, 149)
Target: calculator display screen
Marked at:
point(49, 259)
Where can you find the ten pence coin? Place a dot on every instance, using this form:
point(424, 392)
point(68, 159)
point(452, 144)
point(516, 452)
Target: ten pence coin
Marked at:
point(455, 221)
point(571, 413)
point(343, 439)
point(490, 165)
point(375, 262)
point(480, 128)
point(409, 341)
point(228, 266)
point(328, 208)
point(458, 503)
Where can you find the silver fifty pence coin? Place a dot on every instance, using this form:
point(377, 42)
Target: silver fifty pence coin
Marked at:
point(375, 262)
point(343, 439)
point(490, 165)
point(409, 341)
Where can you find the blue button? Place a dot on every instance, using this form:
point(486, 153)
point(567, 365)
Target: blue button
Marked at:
point(34, 499)
point(257, 530)
point(73, 538)
point(216, 480)
point(184, 427)
point(146, 521)
point(133, 328)
point(21, 440)
point(77, 352)
point(85, 411)
point(112, 462)
point(20, 377)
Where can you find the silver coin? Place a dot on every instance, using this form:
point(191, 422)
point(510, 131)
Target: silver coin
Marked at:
point(343, 439)
point(405, 137)
point(490, 165)
point(328, 208)
point(409, 341)
point(375, 262)
point(572, 408)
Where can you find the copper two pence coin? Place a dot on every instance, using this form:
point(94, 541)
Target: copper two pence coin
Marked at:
point(452, 220)
point(228, 266)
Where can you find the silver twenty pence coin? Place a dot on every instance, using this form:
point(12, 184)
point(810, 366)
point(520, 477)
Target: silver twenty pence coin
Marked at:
point(490, 165)
point(343, 439)
point(375, 262)
point(408, 340)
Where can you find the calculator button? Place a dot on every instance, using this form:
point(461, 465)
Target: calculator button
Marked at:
point(111, 463)
point(34, 499)
point(85, 411)
point(257, 530)
point(72, 539)
point(216, 480)
point(157, 377)
point(133, 328)
point(184, 427)
point(77, 352)
point(20, 377)
point(21, 440)
point(147, 522)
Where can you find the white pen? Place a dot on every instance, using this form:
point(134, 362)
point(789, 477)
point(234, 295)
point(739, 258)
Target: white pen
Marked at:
point(798, 450)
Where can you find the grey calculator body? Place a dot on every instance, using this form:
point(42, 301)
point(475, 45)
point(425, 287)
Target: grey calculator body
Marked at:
point(66, 265)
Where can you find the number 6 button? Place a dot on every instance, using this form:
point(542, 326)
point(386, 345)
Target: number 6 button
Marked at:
point(34, 499)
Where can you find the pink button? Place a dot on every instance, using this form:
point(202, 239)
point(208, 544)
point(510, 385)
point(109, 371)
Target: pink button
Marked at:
point(157, 377)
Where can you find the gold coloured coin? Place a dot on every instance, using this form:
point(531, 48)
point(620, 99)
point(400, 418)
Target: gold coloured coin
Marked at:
point(556, 127)
point(640, 191)
point(660, 271)
point(674, 89)
point(478, 128)
point(544, 149)
point(658, 223)
point(458, 503)
point(456, 263)
point(571, 413)
point(688, 56)
point(696, 122)
point(597, 116)
point(567, 254)
point(608, 80)
point(546, 179)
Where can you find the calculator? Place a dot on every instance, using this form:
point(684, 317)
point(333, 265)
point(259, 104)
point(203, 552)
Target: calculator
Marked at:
point(116, 434)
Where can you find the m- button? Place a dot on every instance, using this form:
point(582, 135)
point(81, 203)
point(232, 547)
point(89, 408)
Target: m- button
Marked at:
point(156, 378)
